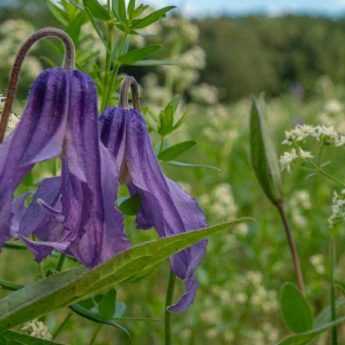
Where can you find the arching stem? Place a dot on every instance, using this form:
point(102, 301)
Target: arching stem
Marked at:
point(129, 83)
point(23, 51)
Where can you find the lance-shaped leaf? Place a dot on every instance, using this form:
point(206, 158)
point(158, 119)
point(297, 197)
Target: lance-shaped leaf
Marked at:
point(263, 154)
point(69, 287)
point(139, 54)
point(151, 18)
point(14, 338)
point(307, 337)
point(176, 150)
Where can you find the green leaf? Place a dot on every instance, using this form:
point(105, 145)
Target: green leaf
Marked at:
point(12, 338)
point(192, 165)
point(166, 117)
point(131, 8)
point(58, 13)
point(70, 287)
point(151, 18)
point(152, 63)
point(263, 154)
point(139, 10)
point(295, 310)
point(107, 305)
point(9, 285)
point(306, 337)
point(174, 151)
point(121, 10)
point(95, 317)
point(96, 10)
point(326, 314)
point(130, 206)
point(136, 55)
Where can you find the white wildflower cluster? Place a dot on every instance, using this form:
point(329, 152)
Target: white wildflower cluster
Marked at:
point(337, 209)
point(332, 114)
point(205, 93)
point(288, 157)
point(318, 262)
point(300, 202)
point(320, 133)
point(37, 329)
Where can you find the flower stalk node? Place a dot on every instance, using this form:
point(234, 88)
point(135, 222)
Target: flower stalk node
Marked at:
point(130, 83)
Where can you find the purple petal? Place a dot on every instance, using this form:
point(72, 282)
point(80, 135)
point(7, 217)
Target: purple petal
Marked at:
point(164, 205)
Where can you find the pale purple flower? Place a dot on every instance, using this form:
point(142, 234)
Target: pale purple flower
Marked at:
point(72, 213)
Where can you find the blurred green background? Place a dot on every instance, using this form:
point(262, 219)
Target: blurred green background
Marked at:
point(298, 61)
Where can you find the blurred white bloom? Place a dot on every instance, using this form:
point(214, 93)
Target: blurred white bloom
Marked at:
point(298, 202)
point(318, 263)
point(220, 202)
point(337, 209)
point(333, 106)
point(193, 58)
point(37, 329)
point(289, 157)
point(240, 298)
point(13, 120)
point(205, 93)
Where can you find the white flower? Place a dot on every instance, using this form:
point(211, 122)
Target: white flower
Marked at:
point(337, 209)
point(318, 263)
point(37, 329)
point(289, 157)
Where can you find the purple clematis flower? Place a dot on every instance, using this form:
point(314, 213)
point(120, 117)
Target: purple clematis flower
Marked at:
point(74, 212)
point(164, 205)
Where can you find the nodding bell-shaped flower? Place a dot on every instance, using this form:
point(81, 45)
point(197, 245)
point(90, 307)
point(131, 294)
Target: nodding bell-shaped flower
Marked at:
point(74, 212)
point(164, 205)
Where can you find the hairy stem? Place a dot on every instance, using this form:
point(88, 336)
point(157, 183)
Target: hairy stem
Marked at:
point(20, 57)
point(168, 302)
point(292, 246)
point(129, 83)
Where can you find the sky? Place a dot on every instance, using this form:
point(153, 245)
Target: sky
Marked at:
point(269, 7)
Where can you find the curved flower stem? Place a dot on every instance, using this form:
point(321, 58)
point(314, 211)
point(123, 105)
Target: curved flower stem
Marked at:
point(292, 246)
point(324, 173)
point(168, 302)
point(23, 51)
point(129, 83)
point(333, 259)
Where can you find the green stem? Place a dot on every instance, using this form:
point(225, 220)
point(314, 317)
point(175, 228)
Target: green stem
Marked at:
point(292, 246)
point(61, 262)
point(168, 302)
point(95, 334)
point(333, 259)
point(62, 325)
point(326, 174)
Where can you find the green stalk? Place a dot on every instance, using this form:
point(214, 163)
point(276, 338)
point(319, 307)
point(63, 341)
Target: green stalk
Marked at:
point(333, 260)
point(168, 302)
point(292, 247)
point(95, 334)
point(61, 262)
point(62, 325)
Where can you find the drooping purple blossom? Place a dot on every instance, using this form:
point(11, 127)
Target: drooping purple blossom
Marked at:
point(164, 205)
point(72, 213)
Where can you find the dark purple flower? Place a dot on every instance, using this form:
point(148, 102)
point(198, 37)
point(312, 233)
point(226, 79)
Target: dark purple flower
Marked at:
point(164, 205)
point(74, 212)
